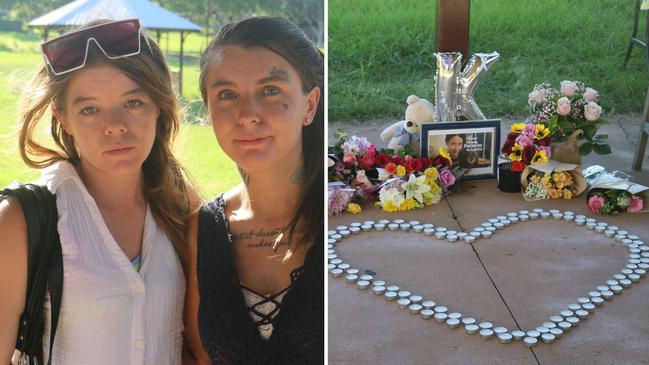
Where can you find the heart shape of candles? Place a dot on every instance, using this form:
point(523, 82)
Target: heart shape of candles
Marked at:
point(547, 332)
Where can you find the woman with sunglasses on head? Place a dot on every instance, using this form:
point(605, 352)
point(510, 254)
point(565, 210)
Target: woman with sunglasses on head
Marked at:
point(255, 290)
point(121, 197)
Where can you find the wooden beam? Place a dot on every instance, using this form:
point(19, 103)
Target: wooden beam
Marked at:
point(452, 26)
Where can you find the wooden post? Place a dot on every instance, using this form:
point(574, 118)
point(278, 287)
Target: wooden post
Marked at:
point(452, 26)
point(180, 70)
point(46, 33)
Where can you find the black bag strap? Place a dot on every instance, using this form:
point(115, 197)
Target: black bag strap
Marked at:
point(44, 268)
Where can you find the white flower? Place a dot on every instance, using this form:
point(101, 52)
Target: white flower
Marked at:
point(592, 111)
point(391, 194)
point(563, 106)
point(568, 88)
point(415, 187)
point(590, 94)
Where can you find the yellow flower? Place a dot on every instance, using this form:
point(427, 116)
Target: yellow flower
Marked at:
point(518, 127)
point(540, 156)
point(554, 193)
point(389, 206)
point(434, 186)
point(444, 153)
point(354, 208)
point(541, 131)
point(517, 153)
point(401, 170)
point(431, 173)
point(567, 194)
point(407, 204)
point(569, 180)
point(535, 179)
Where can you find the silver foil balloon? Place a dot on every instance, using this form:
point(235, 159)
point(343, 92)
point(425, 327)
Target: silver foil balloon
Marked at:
point(446, 84)
point(474, 71)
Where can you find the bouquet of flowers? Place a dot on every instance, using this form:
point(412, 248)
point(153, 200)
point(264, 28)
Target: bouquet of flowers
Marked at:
point(552, 180)
point(546, 185)
point(397, 182)
point(527, 143)
point(570, 109)
point(614, 201)
point(613, 192)
point(421, 188)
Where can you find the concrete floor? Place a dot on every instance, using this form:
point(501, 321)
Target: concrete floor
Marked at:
point(517, 279)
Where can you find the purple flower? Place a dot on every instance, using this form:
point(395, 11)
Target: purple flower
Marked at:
point(547, 150)
point(447, 178)
point(529, 130)
point(339, 197)
point(524, 140)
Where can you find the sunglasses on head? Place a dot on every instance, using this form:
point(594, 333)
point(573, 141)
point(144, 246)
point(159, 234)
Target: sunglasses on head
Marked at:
point(69, 52)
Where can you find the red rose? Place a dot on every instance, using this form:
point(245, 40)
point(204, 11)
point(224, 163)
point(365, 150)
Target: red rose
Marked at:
point(382, 159)
point(512, 135)
point(528, 153)
point(441, 161)
point(425, 162)
point(507, 147)
point(391, 168)
point(397, 160)
point(518, 166)
point(408, 166)
point(416, 164)
point(545, 142)
point(366, 162)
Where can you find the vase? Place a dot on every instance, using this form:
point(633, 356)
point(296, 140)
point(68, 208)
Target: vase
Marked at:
point(509, 181)
point(568, 150)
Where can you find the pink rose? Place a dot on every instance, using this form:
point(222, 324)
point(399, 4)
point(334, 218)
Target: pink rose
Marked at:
point(591, 94)
point(595, 203)
point(568, 88)
point(349, 159)
point(536, 96)
point(635, 205)
point(563, 106)
point(447, 178)
point(592, 111)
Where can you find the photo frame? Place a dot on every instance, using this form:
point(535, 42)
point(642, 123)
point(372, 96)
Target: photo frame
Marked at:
point(471, 144)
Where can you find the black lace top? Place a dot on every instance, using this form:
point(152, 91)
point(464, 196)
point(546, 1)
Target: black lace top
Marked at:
point(228, 333)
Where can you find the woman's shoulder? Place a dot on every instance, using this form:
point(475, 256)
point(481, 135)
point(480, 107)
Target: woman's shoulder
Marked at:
point(12, 219)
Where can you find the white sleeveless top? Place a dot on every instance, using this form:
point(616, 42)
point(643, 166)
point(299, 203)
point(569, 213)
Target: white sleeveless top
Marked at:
point(111, 313)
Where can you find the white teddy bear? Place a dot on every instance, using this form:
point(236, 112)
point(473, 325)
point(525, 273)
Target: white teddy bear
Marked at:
point(406, 131)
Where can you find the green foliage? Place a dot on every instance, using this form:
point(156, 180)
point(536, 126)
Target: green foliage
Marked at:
point(382, 51)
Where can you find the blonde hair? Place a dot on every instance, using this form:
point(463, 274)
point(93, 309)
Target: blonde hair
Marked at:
point(171, 196)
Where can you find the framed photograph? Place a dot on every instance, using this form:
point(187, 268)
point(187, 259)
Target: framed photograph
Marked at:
point(473, 145)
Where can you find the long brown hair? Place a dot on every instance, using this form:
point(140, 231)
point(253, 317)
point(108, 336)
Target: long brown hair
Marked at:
point(286, 39)
point(170, 195)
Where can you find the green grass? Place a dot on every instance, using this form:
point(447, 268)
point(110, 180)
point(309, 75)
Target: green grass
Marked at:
point(382, 51)
point(196, 146)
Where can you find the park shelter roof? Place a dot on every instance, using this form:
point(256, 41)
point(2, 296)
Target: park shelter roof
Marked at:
point(152, 16)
